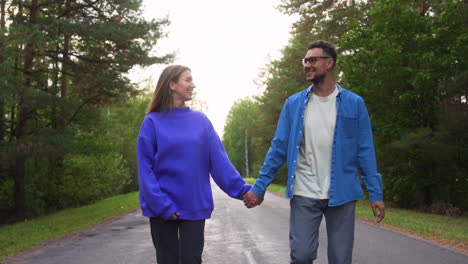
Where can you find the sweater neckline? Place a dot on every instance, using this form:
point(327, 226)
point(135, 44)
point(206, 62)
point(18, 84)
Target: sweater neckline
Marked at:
point(179, 109)
point(175, 110)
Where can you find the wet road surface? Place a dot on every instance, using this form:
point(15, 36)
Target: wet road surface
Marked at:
point(234, 235)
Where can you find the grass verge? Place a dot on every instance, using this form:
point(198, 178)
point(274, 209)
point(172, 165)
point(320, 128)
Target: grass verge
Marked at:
point(29, 233)
point(446, 230)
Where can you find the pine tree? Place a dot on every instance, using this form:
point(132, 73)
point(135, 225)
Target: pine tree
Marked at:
point(61, 61)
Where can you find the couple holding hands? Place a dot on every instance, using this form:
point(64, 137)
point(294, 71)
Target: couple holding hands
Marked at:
point(324, 134)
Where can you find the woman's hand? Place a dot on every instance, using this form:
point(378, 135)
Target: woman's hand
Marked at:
point(174, 216)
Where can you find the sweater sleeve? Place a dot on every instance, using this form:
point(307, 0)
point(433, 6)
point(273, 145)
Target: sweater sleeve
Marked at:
point(221, 169)
point(156, 200)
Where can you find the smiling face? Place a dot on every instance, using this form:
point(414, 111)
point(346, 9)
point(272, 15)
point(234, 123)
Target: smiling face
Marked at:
point(317, 71)
point(182, 89)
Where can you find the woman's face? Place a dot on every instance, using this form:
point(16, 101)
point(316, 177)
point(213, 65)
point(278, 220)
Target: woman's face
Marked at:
point(182, 89)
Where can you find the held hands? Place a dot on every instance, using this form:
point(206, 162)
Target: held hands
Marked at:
point(174, 216)
point(251, 199)
point(378, 208)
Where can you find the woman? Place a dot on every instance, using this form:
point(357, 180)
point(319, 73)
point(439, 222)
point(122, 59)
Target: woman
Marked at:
point(177, 151)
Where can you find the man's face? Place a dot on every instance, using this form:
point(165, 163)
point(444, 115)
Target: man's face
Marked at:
point(317, 65)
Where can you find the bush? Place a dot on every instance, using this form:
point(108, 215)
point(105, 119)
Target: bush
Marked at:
point(422, 169)
point(443, 209)
point(6, 197)
point(90, 178)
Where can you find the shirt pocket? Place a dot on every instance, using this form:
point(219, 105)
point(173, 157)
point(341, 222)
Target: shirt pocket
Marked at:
point(350, 127)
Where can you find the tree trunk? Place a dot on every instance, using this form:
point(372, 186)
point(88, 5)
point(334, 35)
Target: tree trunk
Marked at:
point(2, 14)
point(2, 71)
point(422, 9)
point(55, 85)
point(246, 155)
point(23, 116)
point(65, 65)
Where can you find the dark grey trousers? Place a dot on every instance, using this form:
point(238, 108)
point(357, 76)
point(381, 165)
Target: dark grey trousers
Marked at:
point(178, 241)
point(305, 219)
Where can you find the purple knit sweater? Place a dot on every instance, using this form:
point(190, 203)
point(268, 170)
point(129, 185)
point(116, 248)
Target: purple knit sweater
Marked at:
point(177, 151)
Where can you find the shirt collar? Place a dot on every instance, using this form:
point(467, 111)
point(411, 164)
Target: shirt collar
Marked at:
point(309, 90)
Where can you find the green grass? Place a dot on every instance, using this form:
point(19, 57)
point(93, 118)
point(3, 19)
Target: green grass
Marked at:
point(27, 234)
point(439, 227)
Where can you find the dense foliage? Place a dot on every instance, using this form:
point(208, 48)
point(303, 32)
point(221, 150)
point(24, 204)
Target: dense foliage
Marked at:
point(408, 60)
point(240, 142)
point(63, 64)
point(414, 56)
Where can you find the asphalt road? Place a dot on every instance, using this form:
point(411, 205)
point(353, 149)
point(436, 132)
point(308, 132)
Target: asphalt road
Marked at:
point(234, 235)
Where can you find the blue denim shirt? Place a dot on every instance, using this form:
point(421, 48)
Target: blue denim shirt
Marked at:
point(352, 149)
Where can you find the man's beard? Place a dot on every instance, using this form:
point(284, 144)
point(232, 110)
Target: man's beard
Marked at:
point(318, 79)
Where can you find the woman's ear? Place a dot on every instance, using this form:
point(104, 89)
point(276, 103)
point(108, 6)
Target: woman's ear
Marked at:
point(171, 86)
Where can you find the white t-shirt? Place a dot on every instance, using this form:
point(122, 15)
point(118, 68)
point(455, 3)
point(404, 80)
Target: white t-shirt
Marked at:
point(314, 161)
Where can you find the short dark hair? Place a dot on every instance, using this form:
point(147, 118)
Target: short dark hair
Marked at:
point(327, 47)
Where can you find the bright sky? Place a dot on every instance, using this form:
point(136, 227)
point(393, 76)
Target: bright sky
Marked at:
point(224, 43)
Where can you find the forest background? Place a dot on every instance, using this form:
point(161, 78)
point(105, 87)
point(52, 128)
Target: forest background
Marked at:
point(69, 115)
point(408, 60)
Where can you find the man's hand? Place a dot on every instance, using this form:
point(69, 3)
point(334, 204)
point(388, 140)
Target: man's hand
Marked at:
point(174, 216)
point(380, 214)
point(251, 199)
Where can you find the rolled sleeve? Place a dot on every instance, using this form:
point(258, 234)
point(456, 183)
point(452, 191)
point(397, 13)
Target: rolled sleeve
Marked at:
point(276, 155)
point(366, 156)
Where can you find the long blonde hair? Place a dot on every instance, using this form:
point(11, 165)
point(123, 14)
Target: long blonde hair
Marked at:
point(162, 97)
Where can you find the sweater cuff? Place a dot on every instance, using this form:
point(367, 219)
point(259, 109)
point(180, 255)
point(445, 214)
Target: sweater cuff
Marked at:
point(170, 211)
point(245, 189)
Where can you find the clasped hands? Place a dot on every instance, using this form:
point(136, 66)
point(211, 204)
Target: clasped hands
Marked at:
point(251, 199)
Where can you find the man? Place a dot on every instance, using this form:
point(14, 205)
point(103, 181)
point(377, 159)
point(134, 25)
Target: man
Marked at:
point(325, 135)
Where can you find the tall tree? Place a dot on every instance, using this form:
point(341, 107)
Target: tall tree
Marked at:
point(411, 53)
point(74, 57)
point(25, 112)
point(320, 19)
point(326, 20)
point(2, 93)
point(240, 135)
point(65, 59)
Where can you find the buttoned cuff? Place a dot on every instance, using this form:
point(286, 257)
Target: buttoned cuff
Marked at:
point(258, 190)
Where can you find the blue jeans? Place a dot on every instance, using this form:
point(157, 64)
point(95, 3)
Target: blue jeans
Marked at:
point(306, 216)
